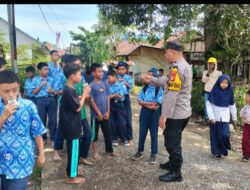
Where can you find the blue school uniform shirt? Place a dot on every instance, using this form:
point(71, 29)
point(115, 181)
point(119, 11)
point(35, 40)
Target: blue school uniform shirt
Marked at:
point(17, 140)
point(55, 72)
point(28, 87)
point(100, 93)
point(149, 95)
point(118, 88)
point(129, 80)
point(37, 81)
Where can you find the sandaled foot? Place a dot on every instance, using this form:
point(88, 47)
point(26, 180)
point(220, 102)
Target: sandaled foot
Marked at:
point(76, 180)
point(97, 156)
point(86, 162)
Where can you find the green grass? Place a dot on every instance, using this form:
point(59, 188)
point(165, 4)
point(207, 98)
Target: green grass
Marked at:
point(35, 178)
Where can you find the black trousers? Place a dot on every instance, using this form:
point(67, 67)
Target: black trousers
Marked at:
point(73, 147)
point(173, 135)
point(106, 131)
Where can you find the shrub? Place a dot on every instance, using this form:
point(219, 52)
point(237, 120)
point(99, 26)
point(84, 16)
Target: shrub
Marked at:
point(197, 100)
point(136, 90)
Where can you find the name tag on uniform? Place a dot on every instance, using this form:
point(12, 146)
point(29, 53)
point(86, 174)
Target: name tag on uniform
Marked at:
point(101, 89)
point(174, 83)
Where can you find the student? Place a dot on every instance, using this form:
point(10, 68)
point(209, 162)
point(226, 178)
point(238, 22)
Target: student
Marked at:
point(220, 104)
point(88, 75)
point(245, 117)
point(70, 123)
point(100, 111)
point(117, 109)
point(2, 64)
point(150, 98)
point(129, 82)
point(44, 93)
point(30, 72)
point(22, 126)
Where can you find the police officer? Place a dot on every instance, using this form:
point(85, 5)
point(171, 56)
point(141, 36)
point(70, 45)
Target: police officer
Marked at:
point(176, 108)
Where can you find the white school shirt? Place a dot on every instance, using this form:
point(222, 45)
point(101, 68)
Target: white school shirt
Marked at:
point(221, 114)
point(245, 112)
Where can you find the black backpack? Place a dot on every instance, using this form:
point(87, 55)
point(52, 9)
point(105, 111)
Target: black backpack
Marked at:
point(156, 90)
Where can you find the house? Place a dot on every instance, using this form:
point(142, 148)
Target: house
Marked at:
point(146, 56)
point(143, 55)
point(22, 38)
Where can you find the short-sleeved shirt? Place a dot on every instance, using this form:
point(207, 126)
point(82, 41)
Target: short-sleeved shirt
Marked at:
point(100, 93)
point(28, 87)
point(55, 72)
point(79, 88)
point(17, 140)
point(150, 94)
point(37, 81)
point(70, 123)
point(118, 88)
point(129, 80)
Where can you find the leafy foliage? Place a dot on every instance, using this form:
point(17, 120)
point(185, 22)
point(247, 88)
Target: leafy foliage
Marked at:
point(153, 20)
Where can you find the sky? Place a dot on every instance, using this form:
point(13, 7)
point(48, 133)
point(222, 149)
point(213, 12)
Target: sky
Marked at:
point(61, 18)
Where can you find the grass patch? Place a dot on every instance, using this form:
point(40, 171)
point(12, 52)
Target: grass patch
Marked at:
point(35, 179)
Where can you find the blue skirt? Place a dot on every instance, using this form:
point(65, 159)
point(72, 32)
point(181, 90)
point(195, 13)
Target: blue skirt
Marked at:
point(220, 138)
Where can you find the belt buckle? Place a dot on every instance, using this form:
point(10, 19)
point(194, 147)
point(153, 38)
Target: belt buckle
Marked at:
point(116, 101)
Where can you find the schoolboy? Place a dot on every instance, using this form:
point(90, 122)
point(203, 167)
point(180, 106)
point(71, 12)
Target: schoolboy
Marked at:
point(46, 103)
point(30, 73)
point(129, 83)
point(117, 109)
point(20, 128)
point(100, 111)
point(70, 123)
point(150, 97)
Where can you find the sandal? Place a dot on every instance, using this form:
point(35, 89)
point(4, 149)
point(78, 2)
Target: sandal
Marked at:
point(76, 180)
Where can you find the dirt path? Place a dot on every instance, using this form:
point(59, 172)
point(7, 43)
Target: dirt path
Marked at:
point(200, 170)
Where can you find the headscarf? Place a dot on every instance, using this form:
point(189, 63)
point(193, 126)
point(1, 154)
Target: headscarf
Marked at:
point(222, 97)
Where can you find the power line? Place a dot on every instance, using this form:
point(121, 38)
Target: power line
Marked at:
point(45, 18)
point(59, 21)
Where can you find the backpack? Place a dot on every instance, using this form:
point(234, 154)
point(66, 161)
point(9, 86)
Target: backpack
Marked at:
point(156, 90)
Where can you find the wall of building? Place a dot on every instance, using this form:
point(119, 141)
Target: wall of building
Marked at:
point(146, 58)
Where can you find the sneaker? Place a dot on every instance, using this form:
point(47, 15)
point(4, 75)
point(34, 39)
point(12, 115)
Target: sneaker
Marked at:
point(218, 156)
point(152, 160)
point(115, 143)
point(126, 143)
point(137, 156)
point(245, 159)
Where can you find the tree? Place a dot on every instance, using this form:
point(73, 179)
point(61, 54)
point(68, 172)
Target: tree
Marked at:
point(93, 46)
point(153, 20)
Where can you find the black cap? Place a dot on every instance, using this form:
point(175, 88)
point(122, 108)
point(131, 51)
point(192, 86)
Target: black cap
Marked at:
point(174, 45)
point(122, 64)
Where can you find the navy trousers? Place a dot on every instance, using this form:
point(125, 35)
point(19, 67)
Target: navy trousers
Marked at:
point(220, 138)
point(47, 106)
point(149, 120)
point(33, 99)
point(13, 184)
point(129, 130)
point(118, 120)
point(86, 139)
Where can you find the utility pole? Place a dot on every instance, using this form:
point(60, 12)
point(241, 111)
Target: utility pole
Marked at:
point(12, 35)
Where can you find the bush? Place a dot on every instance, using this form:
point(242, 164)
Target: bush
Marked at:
point(136, 90)
point(197, 100)
point(239, 95)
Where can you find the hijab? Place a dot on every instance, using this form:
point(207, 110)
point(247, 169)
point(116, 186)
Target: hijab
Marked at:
point(222, 97)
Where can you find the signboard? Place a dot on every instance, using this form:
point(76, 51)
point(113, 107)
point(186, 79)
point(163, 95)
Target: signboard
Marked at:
point(197, 56)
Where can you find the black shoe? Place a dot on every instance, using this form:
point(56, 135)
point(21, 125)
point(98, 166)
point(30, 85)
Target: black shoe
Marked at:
point(165, 166)
point(171, 177)
point(137, 156)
